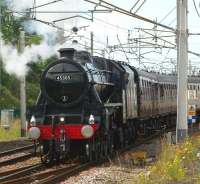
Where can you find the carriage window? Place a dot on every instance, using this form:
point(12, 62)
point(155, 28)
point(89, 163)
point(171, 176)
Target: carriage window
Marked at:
point(149, 89)
point(142, 89)
point(146, 95)
point(161, 90)
point(167, 90)
point(145, 90)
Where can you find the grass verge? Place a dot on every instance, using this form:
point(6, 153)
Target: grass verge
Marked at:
point(10, 133)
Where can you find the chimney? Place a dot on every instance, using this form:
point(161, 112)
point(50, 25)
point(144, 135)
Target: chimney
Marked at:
point(67, 52)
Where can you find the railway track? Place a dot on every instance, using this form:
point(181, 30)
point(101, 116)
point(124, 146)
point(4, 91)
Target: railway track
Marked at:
point(16, 159)
point(16, 174)
point(14, 154)
point(13, 171)
point(42, 175)
point(55, 178)
point(17, 150)
point(52, 179)
point(24, 176)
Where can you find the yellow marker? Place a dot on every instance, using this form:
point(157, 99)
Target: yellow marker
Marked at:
point(138, 155)
point(192, 113)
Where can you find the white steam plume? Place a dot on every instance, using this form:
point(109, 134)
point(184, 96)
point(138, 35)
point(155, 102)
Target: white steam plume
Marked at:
point(16, 63)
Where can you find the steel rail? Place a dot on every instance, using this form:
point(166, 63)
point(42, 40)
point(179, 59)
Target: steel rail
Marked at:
point(21, 173)
point(16, 159)
point(9, 172)
point(52, 176)
point(12, 151)
point(66, 174)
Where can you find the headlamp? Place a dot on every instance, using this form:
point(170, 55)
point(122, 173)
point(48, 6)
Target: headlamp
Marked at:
point(62, 119)
point(34, 133)
point(91, 119)
point(87, 131)
point(33, 121)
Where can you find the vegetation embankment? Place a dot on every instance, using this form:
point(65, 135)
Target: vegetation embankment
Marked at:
point(177, 164)
point(10, 133)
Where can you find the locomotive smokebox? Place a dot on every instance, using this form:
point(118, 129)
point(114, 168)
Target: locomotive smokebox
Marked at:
point(67, 53)
point(64, 82)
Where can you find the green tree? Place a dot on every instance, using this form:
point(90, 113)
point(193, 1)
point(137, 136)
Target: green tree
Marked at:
point(10, 26)
point(9, 88)
point(7, 100)
point(33, 79)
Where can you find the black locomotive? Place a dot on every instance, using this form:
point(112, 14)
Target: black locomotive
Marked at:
point(89, 106)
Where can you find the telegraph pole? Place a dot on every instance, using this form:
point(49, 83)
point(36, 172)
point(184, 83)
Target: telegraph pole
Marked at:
point(22, 89)
point(1, 60)
point(182, 59)
point(92, 36)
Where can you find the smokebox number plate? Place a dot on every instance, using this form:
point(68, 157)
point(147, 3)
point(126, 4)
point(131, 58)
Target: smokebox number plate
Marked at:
point(63, 77)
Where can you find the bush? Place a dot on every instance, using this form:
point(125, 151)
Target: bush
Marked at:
point(176, 164)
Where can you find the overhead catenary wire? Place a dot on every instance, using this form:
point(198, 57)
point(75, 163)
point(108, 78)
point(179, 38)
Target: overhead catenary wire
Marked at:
point(140, 6)
point(112, 7)
point(123, 49)
point(160, 38)
point(113, 25)
point(41, 5)
point(53, 25)
point(195, 6)
point(153, 45)
point(152, 37)
point(134, 5)
point(169, 13)
point(144, 1)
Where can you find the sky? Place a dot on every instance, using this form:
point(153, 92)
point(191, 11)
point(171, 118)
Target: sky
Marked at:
point(112, 29)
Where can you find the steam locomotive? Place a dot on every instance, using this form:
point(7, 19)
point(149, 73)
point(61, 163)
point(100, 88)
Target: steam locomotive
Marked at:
point(89, 106)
